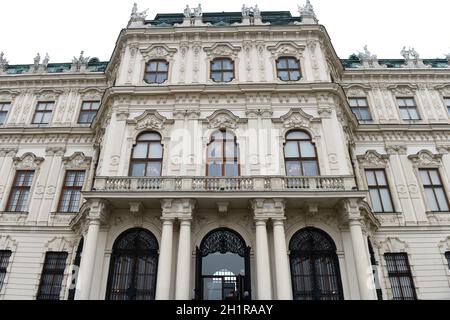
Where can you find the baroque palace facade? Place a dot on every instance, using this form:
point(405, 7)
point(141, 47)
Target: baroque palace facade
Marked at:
point(225, 156)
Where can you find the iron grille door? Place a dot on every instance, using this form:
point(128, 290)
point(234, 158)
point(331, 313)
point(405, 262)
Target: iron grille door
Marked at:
point(400, 277)
point(52, 276)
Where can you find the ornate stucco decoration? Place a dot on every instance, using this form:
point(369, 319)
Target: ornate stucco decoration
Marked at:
point(357, 90)
point(445, 244)
point(444, 89)
point(150, 120)
point(222, 119)
point(48, 94)
point(286, 48)
point(8, 152)
point(373, 159)
point(27, 161)
point(60, 244)
point(7, 243)
point(77, 161)
point(158, 51)
point(297, 118)
point(396, 149)
point(222, 49)
point(92, 93)
point(8, 95)
point(403, 89)
point(392, 244)
point(425, 158)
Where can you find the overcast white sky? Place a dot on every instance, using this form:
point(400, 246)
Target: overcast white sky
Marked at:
point(65, 27)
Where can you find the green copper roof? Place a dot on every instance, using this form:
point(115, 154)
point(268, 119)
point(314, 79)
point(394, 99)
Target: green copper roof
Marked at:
point(225, 18)
point(94, 65)
point(354, 62)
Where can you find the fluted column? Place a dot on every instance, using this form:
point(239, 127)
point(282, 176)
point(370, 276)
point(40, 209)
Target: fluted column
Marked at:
point(282, 269)
point(183, 282)
point(85, 275)
point(163, 280)
point(263, 279)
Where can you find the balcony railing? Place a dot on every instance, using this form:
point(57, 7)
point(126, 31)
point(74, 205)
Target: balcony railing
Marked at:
point(225, 184)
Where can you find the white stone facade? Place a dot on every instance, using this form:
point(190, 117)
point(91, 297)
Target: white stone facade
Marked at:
point(263, 205)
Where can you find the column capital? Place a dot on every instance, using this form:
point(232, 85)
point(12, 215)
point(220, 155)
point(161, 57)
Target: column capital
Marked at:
point(178, 208)
point(98, 211)
point(268, 208)
point(349, 210)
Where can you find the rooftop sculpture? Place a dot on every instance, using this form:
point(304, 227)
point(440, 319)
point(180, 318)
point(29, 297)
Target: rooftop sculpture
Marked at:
point(307, 13)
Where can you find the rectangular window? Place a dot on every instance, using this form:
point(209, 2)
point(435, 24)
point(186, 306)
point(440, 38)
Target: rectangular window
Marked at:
point(4, 109)
point(380, 195)
point(88, 111)
point(71, 191)
point(4, 260)
point(43, 113)
point(447, 104)
point(408, 109)
point(52, 276)
point(360, 109)
point(447, 256)
point(434, 191)
point(400, 276)
point(20, 191)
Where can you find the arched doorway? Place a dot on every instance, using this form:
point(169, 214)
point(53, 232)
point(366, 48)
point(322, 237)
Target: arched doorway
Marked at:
point(133, 268)
point(314, 266)
point(223, 267)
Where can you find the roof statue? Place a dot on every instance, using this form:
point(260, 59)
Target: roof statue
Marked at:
point(412, 59)
point(37, 61)
point(137, 15)
point(307, 13)
point(368, 59)
point(405, 54)
point(79, 64)
point(3, 62)
point(187, 12)
point(250, 11)
point(45, 61)
point(366, 55)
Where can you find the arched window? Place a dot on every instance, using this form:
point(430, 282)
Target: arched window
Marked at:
point(223, 154)
point(288, 69)
point(300, 155)
point(222, 70)
point(223, 267)
point(146, 157)
point(314, 266)
point(133, 268)
point(156, 71)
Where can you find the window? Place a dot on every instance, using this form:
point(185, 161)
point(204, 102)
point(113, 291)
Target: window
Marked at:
point(43, 113)
point(71, 191)
point(288, 69)
point(408, 109)
point(434, 190)
point(222, 155)
point(156, 71)
point(147, 154)
point(400, 277)
point(447, 103)
point(300, 155)
point(4, 108)
point(4, 260)
point(222, 70)
point(447, 256)
point(380, 196)
point(360, 109)
point(52, 276)
point(88, 111)
point(20, 191)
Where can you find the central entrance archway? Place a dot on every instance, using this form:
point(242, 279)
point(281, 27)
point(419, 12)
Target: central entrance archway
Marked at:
point(223, 267)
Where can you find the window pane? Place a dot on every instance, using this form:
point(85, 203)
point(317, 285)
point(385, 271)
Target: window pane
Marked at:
point(216, 65)
point(156, 151)
point(307, 149)
point(140, 151)
point(425, 178)
point(295, 75)
point(216, 76)
point(362, 102)
point(371, 178)
point(84, 117)
point(161, 77)
point(414, 115)
point(79, 179)
point(386, 199)
point(293, 63)
point(293, 168)
point(150, 77)
point(215, 150)
point(2, 117)
point(227, 64)
point(442, 199)
point(162, 66)
point(151, 66)
point(227, 76)
point(353, 102)
point(46, 118)
point(310, 168)
point(138, 169)
point(283, 75)
point(401, 102)
point(282, 63)
point(365, 114)
point(230, 150)
point(291, 150)
point(231, 169)
point(431, 199)
point(375, 200)
point(297, 135)
point(37, 117)
point(214, 169)
point(405, 114)
point(435, 177)
point(381, 178)
point(149, 136)
point(410, 102)
point(154, 169)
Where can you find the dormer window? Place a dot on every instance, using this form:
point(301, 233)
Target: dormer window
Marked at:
point(222, 70)
point(288, 69)
point(156, 71)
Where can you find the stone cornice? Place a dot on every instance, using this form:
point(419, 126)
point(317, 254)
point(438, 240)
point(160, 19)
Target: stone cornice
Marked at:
point(9, 130)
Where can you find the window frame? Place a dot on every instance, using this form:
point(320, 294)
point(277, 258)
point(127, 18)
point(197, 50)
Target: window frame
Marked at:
point(2, 105)
point(89, 111)
point(20, 188)
point(399, 274)
point(44, 112)
point(147, 160)
point(73, 188)
point(224, 158)
point(222, 70)
point(358, 107)
point(288, 69)
point(433, 187)
point(402, 98)
point(5, 261)
point(378, 187)
point(58, 272)
point(300, 159)
point(157, 71)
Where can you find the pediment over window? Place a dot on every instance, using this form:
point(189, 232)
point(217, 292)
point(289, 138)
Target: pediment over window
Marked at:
point(222, 119)
point(7, 243)
point(91, 93)
point(60, 244)
point(297, 118)
point(150, 120)
point(392, 245)
point(373, 159)
point(445, 244)
point(158, 51)
point(27, 161)
point(7, 95)
point(48, 94)
point(286, 48)
point(77, 161)
point(444, 89)
point(357, 90)
point(425, 158)
point(403, 89)
point(222, 50)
